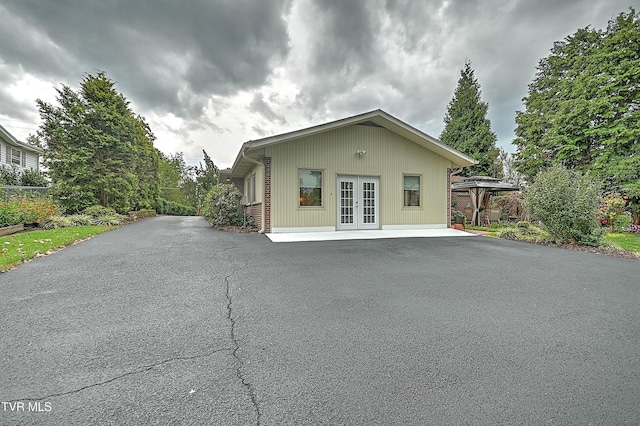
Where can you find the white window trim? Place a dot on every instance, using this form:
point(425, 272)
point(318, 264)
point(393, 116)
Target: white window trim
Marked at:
point(311, 169)
point(420, 190)
point(19, 163)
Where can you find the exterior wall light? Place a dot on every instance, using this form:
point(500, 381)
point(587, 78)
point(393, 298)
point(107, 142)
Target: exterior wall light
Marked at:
point(360, 153)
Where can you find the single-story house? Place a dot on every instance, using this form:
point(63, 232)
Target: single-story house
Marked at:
point(20, 155)
point(369, 171)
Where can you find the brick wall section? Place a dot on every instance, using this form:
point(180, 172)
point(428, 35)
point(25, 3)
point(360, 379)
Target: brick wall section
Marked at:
point(267, 194)
point(255, 211)
point(448, 198)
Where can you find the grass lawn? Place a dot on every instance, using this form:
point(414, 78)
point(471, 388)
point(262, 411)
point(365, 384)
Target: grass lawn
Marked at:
point(629, 242)
point(18, 248)
point(623, 241)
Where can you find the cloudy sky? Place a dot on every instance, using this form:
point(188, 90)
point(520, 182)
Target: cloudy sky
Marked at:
point(212, 74)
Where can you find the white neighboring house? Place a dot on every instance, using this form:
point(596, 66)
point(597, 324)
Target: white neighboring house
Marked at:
point(18, 154)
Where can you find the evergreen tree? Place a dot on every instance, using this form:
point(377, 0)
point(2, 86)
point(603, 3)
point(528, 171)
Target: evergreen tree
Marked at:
point(467, 127)
point(97, 151)
point(583, 108)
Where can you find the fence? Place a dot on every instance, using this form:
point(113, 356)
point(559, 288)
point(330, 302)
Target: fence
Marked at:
point(9, 190)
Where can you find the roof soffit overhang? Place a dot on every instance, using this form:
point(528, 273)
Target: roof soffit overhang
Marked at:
point(255, 149)
point(9, 139)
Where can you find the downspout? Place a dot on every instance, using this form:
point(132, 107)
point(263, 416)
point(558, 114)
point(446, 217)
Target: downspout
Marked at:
point(251, 160)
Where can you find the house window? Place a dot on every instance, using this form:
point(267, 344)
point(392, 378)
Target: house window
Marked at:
point(412, 191)
point(253, 188)
point(310, 188)
point(15, 156)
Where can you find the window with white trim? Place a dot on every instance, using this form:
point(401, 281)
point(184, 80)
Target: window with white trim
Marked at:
point(253, 188)
point(16, 156)
point(310, 188)
point(411, 191)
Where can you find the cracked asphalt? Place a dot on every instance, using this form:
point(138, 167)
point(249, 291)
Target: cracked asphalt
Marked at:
point(166, 321)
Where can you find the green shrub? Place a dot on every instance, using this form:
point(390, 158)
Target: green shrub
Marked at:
point(9, 175)
point(26, 209)
point(80, 219)
point(97, 211)
point(566, 203)
point(621, 222)
point(57, 221)
point(222, 205)
point(508, 234)
point(30, 177)
point(164, 206)
point(109, 220)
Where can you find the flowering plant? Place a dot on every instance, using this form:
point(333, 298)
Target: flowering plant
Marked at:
point(17, 210)
point(612, 206)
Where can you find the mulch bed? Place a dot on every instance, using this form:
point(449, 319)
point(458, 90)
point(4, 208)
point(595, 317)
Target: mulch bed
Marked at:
point(597, 250)
point(235, 229)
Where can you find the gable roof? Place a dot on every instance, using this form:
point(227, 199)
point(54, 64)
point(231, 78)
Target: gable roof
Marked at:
point(377, 118)
point(11, 140)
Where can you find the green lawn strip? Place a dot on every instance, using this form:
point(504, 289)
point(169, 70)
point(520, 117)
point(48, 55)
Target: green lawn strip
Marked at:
point(18, 248)
point(624, 241)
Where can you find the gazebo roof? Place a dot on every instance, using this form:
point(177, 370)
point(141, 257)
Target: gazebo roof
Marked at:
point(484, 182)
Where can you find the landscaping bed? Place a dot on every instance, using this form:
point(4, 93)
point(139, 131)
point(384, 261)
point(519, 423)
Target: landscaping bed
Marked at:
point(623, 244)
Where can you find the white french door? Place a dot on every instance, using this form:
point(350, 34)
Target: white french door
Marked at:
point(358, 202)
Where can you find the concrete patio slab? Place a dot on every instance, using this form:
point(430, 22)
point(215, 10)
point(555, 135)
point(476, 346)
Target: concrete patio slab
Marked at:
point(365, 235)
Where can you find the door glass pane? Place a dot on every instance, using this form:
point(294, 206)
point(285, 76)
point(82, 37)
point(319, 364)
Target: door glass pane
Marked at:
point(346, 202)
point(368, 202)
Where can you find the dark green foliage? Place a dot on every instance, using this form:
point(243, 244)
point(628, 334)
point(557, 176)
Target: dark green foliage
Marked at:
point(186, 185)
point(467, 127)
point(9, 175)
point(175, 209)
point(583, 107)
point(97, 211)
point(566, 203)
point(30, 177)
point(97, 150)
point(206, 180)
point(222, 205)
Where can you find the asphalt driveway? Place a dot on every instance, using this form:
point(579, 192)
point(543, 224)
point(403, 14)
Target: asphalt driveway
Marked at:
point(167, 321)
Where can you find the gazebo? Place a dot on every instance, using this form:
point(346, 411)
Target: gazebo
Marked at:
point(480, 187)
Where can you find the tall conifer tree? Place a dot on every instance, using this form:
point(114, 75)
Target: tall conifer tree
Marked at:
point(467, 127)
point(97, 150)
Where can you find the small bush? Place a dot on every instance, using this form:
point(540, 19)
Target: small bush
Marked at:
point(164, 206)
point(109, 220)
point(566, 203)
point(621, 222)
point(32, 177)
point(97, 211)
point(611, 213)
point(9, 175)
point(222, 205)
point(80, 219)
point(56, 222)
point(508, 234)
point(26, 209)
